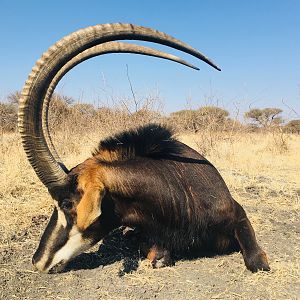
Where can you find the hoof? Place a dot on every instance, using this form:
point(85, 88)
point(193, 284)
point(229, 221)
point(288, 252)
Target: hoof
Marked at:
point(257, 262)
point(159, 258)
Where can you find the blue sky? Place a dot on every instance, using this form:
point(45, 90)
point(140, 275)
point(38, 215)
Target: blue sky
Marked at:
point(256, 43)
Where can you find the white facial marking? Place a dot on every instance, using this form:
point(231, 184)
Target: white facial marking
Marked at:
point(75, 245)
point(61, 221)
point(61, 218)
point(42, 262)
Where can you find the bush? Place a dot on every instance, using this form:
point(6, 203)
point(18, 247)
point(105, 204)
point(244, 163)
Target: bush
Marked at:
point(265, 117)
point(212, 117)
point(8, 117)
point(293, 127)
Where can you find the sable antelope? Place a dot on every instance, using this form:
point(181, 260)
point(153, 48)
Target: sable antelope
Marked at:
point(143, 178)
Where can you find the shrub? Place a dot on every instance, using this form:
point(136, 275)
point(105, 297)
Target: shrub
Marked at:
point(293, 126)
point(8, 117)
point(265, 117)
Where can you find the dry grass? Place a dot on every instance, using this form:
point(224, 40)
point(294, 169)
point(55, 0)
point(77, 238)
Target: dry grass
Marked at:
point(262, 176)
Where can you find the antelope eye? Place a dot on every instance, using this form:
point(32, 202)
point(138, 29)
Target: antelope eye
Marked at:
point(66, 204)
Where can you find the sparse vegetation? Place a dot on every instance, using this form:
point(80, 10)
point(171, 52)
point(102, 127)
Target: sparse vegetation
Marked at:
point(264, 118)
point(293, 126)
point(261, 169)
point(65, 111)
point(9, 113)
point(190, 120)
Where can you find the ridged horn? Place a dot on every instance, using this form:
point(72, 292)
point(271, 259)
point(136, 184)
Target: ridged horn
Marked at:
point(109, 47)
point(49, 171)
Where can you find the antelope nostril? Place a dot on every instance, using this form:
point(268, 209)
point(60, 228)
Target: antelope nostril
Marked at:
point(33, 260)
point(57, 268)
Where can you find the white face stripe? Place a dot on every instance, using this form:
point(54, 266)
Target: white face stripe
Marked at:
point(61, 222)
point(61, 219)
point(75, 245)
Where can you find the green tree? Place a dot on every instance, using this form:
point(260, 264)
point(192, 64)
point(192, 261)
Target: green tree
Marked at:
point(265, 117)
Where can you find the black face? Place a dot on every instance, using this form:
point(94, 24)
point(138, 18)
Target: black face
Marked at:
point(58, 229)
point(73, 226)
point(61, 239)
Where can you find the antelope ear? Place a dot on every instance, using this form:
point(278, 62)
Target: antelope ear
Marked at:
point(89, 207)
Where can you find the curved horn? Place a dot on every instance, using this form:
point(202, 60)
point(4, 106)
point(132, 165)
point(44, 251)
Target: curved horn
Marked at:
point(46, 167)
point(109, 47)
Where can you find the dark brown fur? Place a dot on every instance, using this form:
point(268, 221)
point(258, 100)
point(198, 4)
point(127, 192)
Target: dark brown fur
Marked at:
point(173, 195)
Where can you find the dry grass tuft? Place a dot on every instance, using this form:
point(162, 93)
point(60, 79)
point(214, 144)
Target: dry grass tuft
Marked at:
point(262, 172)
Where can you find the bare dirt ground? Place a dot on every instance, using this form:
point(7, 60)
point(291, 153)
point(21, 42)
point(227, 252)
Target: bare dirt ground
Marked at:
point(265, 182)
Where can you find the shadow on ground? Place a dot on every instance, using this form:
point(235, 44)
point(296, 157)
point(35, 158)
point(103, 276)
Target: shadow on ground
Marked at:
point(126, 248)
point(115, 247)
